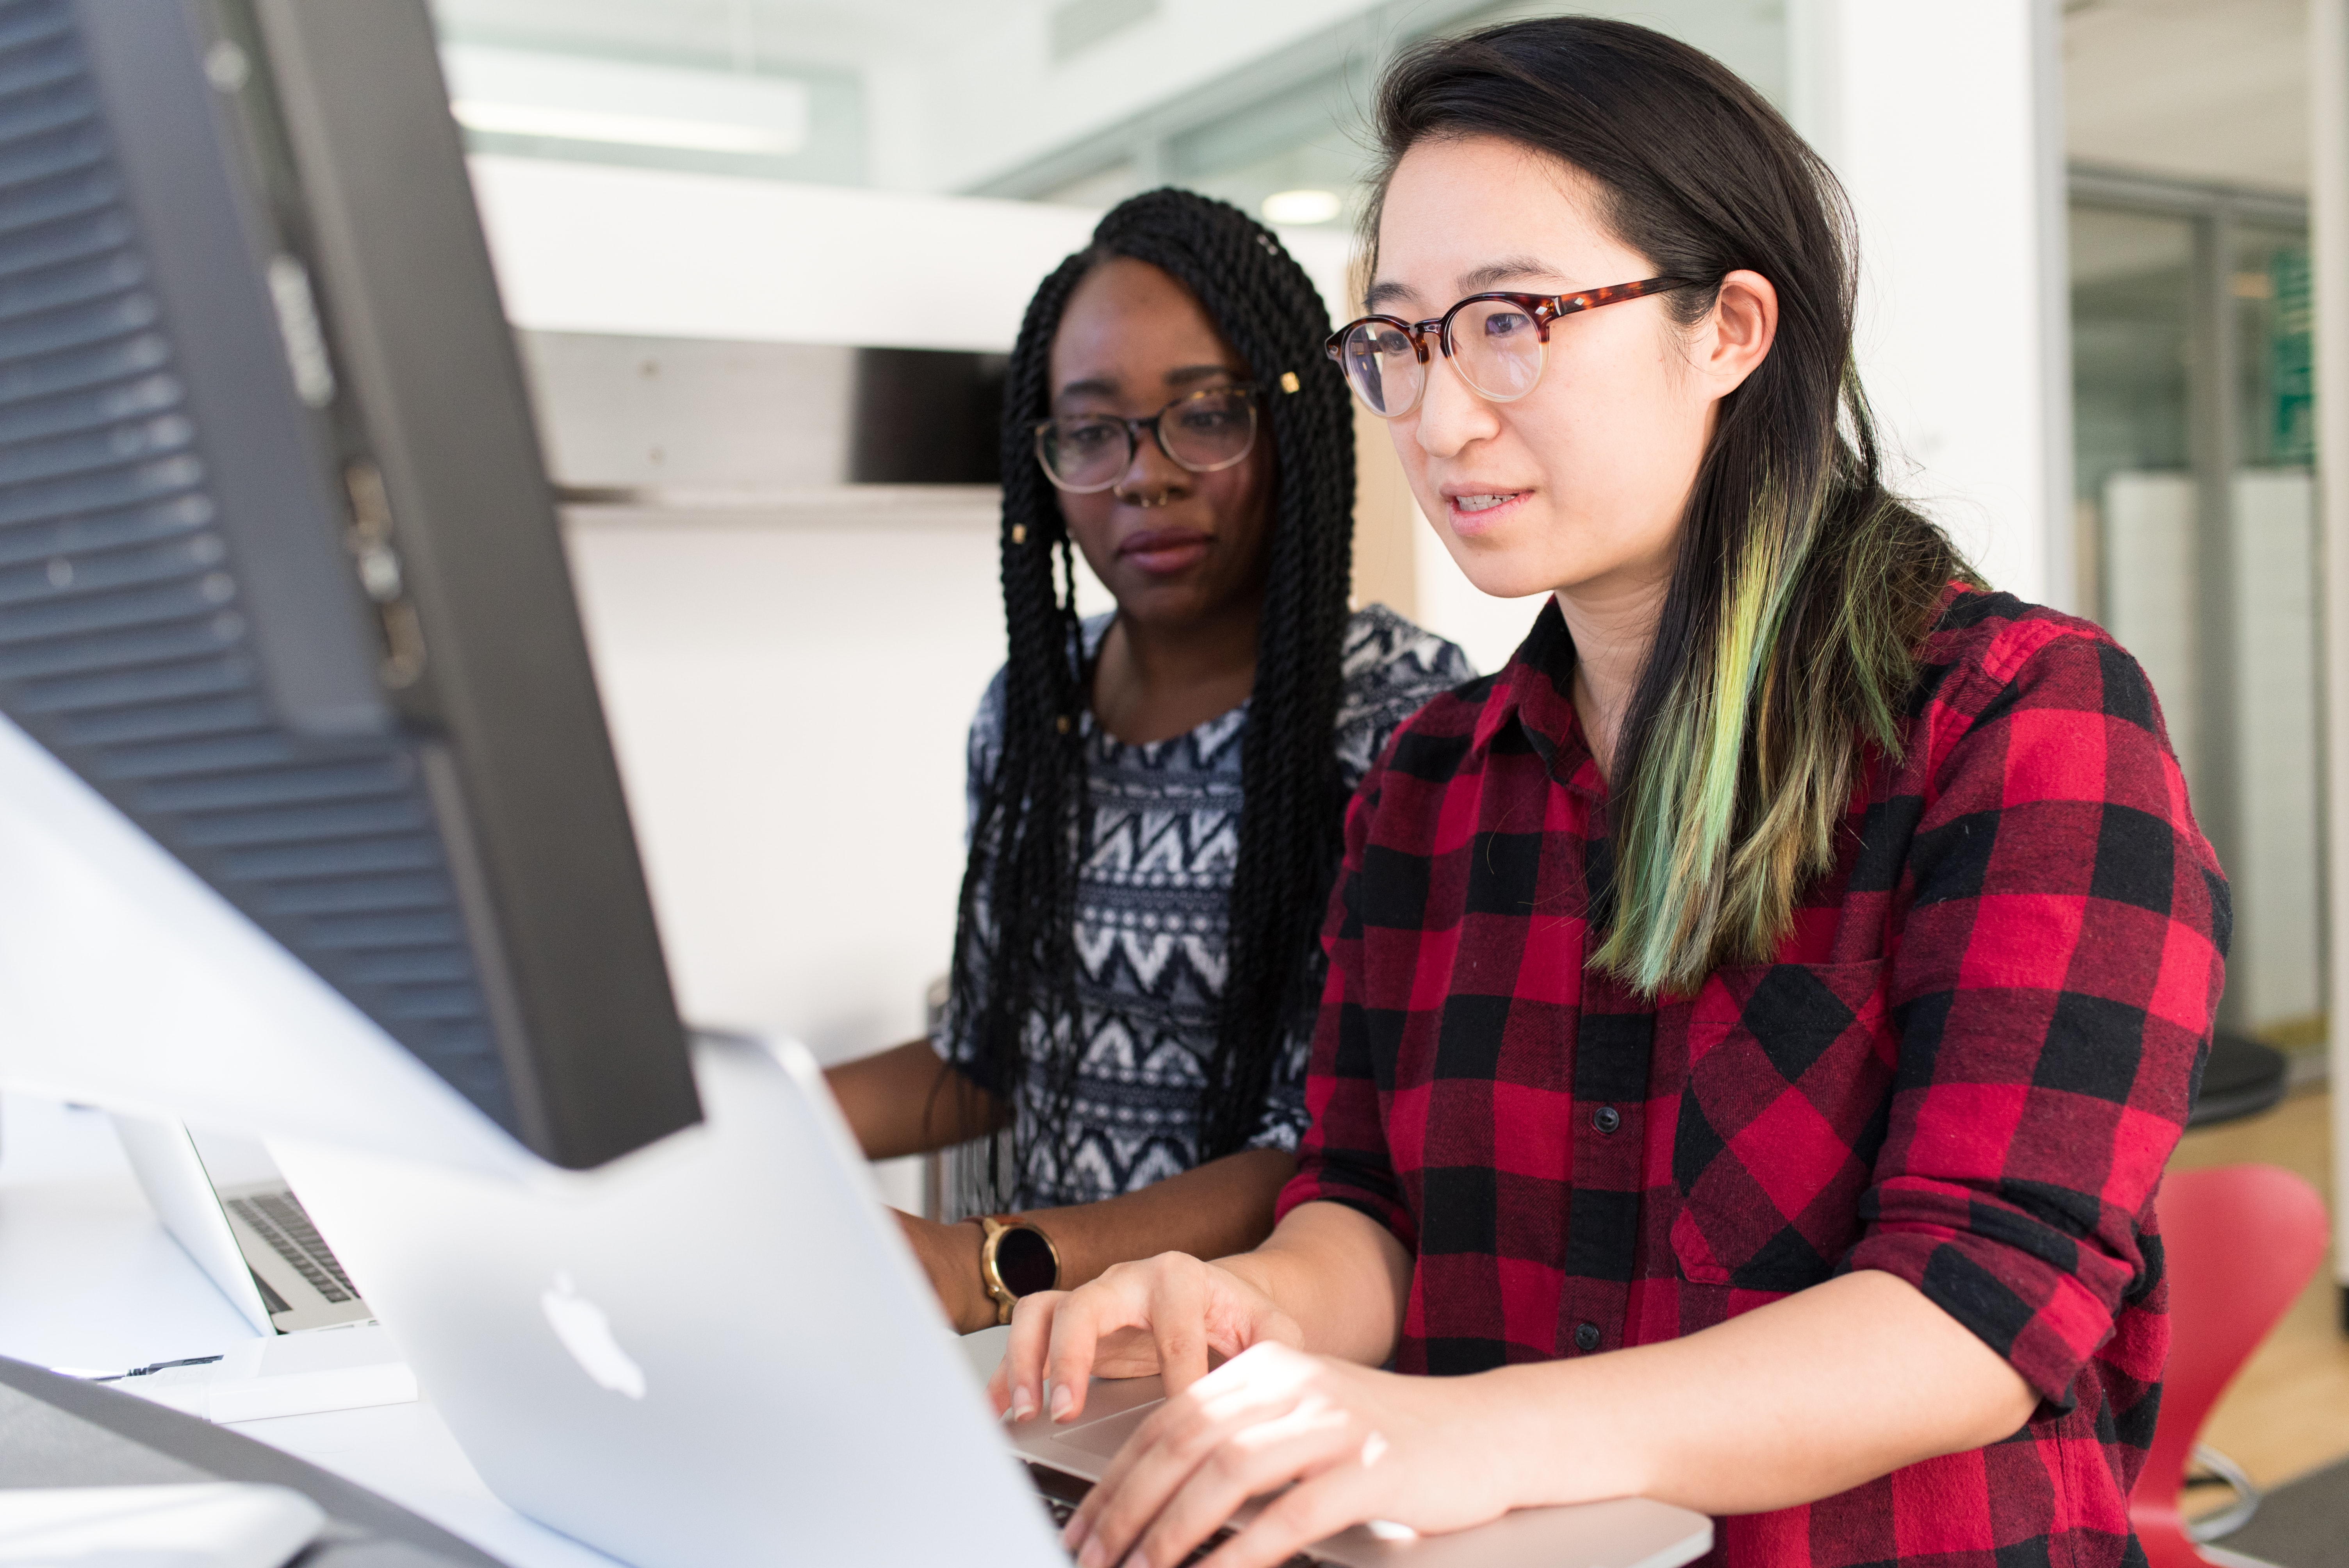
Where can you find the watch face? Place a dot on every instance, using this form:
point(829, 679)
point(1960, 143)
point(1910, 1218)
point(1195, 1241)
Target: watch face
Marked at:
point(1023, 1261)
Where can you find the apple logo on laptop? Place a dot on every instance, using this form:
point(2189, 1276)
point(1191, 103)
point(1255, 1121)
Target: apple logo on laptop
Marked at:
point(586, 1332)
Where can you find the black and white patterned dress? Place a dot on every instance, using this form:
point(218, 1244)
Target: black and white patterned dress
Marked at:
point(1153, 906)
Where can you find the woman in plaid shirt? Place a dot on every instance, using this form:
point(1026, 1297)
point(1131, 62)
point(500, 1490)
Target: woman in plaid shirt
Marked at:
point(1758, 1016)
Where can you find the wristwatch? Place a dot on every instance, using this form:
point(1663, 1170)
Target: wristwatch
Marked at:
point(1016, 1259)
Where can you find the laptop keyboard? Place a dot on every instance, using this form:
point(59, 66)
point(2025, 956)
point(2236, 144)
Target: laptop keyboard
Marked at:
point(276, 1218)
point(1061, 1494)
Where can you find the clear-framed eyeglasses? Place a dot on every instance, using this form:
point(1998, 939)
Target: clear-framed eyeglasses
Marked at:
point(1201, 432)
point(1498, 342)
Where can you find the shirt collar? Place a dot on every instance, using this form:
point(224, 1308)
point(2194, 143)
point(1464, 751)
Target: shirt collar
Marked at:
point(1534, 691)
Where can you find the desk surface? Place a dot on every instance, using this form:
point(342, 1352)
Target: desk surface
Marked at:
point(71, 1211)
point(90, 1279)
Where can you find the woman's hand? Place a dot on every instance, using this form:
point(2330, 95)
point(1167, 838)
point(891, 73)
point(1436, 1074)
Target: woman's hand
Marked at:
point(1165, 1314)
point(949, 1255)
point(1357, 1444)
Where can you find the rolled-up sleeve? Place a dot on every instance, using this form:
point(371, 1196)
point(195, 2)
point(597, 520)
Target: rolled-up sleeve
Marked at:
point(2062, 933)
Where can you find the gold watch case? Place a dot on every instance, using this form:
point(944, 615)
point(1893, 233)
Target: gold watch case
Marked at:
point(994, 1229)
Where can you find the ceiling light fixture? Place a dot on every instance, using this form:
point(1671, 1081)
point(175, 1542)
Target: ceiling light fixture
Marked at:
point(624, 129)
point(1301, 206)
point(620, 103)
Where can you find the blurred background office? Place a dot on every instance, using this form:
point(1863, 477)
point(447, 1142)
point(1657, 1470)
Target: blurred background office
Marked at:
point(761, 254)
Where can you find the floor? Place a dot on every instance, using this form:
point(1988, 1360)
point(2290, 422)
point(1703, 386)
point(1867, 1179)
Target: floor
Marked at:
point(2288, 1412)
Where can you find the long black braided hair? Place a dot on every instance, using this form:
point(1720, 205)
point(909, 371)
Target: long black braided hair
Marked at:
point(1013, 996)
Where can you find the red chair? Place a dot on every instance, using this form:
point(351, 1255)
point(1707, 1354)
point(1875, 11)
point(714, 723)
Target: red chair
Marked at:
point(2242, 1242)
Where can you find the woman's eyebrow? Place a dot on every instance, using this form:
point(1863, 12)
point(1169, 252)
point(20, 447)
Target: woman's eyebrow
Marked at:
point(1475, 280)
point(1093, 387)
point(1514, 269)
point(1190, 373)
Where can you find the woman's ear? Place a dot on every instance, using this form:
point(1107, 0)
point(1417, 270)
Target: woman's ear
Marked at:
point(1736, 336)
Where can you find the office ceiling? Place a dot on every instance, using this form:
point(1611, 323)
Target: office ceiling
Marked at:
point(2210, 90)
point(2213, 90)
point(904, 94)
point(740, 34)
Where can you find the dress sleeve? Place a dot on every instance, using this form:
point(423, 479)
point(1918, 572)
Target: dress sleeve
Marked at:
point(1393, 669)
point(1342, 1157)
point(2058, 947)
point(983, 753)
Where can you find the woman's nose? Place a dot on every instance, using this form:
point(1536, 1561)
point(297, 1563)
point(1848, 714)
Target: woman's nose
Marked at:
point(1450, 417)
point(1152, 471)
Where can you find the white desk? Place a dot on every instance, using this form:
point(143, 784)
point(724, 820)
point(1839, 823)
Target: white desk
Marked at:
point(88, 1278)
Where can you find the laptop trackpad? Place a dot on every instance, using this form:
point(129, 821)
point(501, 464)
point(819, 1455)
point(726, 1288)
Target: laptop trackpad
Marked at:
point(1105, 1437)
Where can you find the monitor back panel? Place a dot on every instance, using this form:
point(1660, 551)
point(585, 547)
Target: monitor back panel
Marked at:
point(279, 574)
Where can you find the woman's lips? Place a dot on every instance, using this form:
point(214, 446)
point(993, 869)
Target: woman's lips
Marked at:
point(1467, 518)
point(1162, 551)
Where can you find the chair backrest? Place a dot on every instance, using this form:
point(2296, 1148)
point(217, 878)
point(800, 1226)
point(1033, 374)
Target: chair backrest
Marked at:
point(2239, 1243)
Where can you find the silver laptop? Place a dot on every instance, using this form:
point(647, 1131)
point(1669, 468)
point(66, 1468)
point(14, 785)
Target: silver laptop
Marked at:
point(717, 1349)
point(230, 1210)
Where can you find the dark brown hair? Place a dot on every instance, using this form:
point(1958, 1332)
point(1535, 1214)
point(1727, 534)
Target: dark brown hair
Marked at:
point(1802, 587)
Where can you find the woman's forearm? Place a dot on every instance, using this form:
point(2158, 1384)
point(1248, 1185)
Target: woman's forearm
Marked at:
point(1789, 1403)
point(1222, 1206)
point(1206, 1211)
point(907, 1101)
point(1339, 1273)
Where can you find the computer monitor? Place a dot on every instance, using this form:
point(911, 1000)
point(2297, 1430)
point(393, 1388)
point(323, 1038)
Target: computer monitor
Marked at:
point(281, 590)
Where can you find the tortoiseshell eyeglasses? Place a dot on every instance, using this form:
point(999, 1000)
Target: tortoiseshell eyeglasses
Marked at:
point(1496, 341)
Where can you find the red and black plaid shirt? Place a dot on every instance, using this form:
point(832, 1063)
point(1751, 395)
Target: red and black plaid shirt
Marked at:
point(1966, 1068)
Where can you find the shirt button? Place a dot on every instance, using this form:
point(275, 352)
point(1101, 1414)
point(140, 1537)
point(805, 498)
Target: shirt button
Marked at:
point(1586, 1337)
point(1606, 1119)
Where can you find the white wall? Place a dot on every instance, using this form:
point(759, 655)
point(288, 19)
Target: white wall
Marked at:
point(1943, 122)
point(656, 253)
point(583, 247)
point(789, 701)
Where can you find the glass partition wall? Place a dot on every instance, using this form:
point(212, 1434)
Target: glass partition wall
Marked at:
point(2194, 447)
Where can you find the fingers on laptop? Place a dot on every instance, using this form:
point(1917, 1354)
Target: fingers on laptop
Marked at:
point(1168, 1315)
point(1178, 1323)
point(1246, 1429)
point(1014, 1388)
point(1056, 1341)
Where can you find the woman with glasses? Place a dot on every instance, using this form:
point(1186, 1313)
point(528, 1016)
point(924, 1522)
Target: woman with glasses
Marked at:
point(1757, 1018)
point(1156, 794)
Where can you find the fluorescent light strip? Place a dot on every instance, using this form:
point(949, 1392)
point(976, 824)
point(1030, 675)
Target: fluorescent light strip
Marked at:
point(621, 130)
point(1302, 206)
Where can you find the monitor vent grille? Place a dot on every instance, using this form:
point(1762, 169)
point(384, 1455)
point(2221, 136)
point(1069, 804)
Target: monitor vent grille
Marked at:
point(122, 646)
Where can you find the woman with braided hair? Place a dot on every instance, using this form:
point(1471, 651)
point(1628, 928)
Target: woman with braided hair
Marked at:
point(1156, 794)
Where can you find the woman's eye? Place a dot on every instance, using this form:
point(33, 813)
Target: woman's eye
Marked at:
point(1390, 343)
point(1506, 324)
point(1090, 433)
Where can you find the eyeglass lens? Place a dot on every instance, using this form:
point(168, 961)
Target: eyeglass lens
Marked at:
point(1203, 432)
point(1497, 346)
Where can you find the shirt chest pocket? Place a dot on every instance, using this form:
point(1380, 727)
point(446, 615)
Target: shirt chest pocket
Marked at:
point(1782, 1112)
